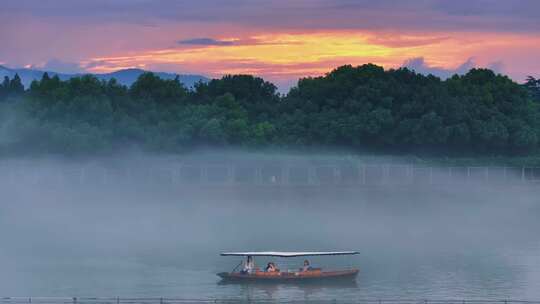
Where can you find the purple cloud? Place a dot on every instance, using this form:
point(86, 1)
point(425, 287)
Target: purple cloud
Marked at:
point(60, 66)
point(516, 15)
point(397, 41)
point(419, 65)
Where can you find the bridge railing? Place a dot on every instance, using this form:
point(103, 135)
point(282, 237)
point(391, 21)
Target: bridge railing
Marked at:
point(176, 174)
point(127, 300)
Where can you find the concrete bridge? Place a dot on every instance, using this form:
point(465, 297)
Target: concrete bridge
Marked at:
point(172, 300)
point(177, 173)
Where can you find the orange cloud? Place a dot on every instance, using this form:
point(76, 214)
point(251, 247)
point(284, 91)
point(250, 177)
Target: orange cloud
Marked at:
point(290, 55)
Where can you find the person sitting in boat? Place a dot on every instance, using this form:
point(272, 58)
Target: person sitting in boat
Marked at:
point(271, 267)
point(249, 266)
point(306, 266)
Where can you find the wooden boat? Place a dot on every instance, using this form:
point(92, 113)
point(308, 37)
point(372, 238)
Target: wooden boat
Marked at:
point(308, 275)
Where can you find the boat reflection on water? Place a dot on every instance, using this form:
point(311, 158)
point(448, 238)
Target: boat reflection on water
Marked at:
point(251, 290)
point(296, 284)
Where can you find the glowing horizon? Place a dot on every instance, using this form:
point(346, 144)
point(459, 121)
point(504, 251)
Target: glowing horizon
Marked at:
point(280, 41)
point(283, 56)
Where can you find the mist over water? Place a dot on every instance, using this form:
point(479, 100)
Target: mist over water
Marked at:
point(469, 240)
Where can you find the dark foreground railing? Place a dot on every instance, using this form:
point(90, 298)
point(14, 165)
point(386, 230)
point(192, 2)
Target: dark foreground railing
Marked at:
point(118, 300)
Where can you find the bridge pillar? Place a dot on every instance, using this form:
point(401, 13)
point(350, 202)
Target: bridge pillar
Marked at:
point(258, 175)
point(285, 175)
point(363, 174)
point(385, 174)
point(337, 175)
point(105, 176)
point(230, 174)
point(204, 174)
point(312, 179)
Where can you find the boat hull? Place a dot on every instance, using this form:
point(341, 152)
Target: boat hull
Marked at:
point(296, 277)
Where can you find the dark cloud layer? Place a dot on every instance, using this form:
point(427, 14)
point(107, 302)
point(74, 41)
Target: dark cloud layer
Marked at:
point(205, 42)
point(62, 66)
point(516, 15)
point(217, 42)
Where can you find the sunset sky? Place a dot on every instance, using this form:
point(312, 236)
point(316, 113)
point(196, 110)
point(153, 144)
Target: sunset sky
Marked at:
point(279, 40)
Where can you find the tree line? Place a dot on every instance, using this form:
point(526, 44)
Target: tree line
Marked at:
point(533, 86)
point(11, 88)
point(360, 108)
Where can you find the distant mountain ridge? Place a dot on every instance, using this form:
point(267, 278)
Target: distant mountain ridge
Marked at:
point(125, 77)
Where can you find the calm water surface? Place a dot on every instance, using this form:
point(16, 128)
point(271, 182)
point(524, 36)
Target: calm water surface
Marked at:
point(472, 243)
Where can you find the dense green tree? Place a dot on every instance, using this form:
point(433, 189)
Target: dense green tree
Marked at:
point(11, 89)
point(15, 85)
point(258, 97)
point(364, 107)
point(533, 86)
point(151, 88)
point(4, 88)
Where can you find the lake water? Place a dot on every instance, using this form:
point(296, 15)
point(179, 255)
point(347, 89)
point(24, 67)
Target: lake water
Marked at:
point(460, 242)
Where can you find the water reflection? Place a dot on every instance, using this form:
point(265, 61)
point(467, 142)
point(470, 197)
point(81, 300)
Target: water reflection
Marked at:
point(249, 291)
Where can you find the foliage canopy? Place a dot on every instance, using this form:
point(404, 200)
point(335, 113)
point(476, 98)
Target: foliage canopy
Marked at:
point(362, 107)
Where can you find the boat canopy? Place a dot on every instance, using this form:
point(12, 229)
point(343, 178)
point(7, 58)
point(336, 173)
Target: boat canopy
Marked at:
point(288, 254)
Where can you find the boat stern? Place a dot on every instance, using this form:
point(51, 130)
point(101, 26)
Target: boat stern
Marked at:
point(223, 275)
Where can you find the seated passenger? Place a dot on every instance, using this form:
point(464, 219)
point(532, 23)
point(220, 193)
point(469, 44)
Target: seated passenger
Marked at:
point(306, 266)
point(271, 267)
point(249, 266)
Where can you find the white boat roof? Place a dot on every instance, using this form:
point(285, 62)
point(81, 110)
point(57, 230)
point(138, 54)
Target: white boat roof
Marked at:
point(288, 254)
